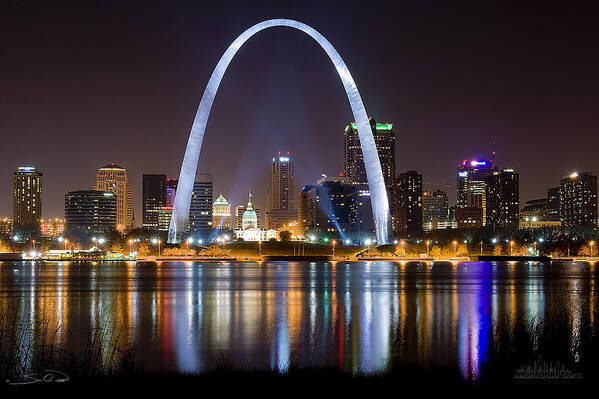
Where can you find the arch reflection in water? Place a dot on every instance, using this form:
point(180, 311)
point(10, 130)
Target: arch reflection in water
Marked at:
point(192, 316)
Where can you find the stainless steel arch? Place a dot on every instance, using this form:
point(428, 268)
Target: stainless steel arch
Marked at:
point(378, 193)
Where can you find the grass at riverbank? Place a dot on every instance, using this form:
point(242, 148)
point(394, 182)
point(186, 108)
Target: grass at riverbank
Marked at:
point(525, 355)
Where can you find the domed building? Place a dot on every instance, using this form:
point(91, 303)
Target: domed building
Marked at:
point(249, 226)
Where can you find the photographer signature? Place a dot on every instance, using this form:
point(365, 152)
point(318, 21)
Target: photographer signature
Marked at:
point(48, 376)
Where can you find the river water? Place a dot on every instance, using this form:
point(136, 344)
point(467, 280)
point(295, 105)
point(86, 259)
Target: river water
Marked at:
point(195, 316)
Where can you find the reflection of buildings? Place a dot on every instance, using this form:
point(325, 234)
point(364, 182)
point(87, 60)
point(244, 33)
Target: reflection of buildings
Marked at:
point(113, 179)
point(221, 213)
point(280, 200)
point(27, 199)
point(249, 226)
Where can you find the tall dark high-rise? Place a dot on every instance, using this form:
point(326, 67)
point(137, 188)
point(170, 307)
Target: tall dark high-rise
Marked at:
point(153, 198)
point(27, 200)
point(90, 212)
point(553, 203)
point(408, 193)
point(281, 199)
point(503, 199)
point(353, 162)
point(578, 200)
point(472, 186)
point(200, 210)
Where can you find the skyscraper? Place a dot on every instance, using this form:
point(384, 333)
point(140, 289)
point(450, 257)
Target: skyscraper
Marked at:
point(221, 213)
point(281, 200)
point(113, 179)
point(90, 212)
point(578, 200)
point(27, 200)
point(472, 187)
point(408, 219)
point(503, 199)
point(200, 210)
point(353, 163)
point(435, 209)
point(153, 198)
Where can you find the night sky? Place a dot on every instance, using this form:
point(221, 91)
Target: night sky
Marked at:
point(83, 84)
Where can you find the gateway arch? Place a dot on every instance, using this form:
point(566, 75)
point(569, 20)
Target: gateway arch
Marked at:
point(378, 192)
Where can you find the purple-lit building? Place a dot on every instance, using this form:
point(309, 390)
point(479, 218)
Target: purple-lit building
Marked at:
point(472, 184)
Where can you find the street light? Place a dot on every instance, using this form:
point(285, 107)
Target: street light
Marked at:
point(130, 246)
point(333, 242)
point(511, 247)
point(403, 251)
point(428, 243)
point(455, 248)
point(592, 243)
point(259, 248)
point(481, 248)
point(189, 241)
point(65, 243)
point(347, 241)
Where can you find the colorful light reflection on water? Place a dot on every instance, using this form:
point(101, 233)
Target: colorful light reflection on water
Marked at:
point(190, 316)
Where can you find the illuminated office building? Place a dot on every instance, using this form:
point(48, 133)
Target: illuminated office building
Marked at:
point(27, 200)
point(503, 199)
point(353, 162)
point(200, 210)
point(90, 212)
point(52, 227)
point(221, 213)
point(408, 197)
point(435, 210)
point(578, 200)
point(113, 179)
point(281, 198)
point(153, 198)
point(472, 187)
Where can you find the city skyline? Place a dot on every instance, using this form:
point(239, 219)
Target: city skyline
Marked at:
point(464, 125)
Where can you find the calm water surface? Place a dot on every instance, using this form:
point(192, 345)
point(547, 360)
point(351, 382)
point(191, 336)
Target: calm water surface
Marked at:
point(189, 316)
